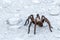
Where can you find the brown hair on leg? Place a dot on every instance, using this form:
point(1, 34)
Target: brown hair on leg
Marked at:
point(46, 20)
point(29, 27)
point(35, 26)
point(26, 22)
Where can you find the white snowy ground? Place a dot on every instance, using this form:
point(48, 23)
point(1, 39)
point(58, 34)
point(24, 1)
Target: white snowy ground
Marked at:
point(17, 11)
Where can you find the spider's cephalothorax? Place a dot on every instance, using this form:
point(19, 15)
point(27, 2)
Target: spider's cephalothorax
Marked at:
point(38, 21)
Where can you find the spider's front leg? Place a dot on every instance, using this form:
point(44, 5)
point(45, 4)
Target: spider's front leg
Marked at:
point(46, 20)
point(29, 27)
point(26, 22)
point(35, 27)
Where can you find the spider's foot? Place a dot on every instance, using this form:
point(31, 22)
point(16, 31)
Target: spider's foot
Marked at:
point(24, 24)
point(28, 32)
point(51, 27)
point(34, 33)
point(51, 30)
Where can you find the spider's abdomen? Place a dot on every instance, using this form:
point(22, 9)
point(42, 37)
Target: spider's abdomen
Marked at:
point(40, 24)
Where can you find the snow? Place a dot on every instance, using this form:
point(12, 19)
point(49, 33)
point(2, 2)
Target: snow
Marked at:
point(13, 14)
point(6, 1)
point(35, 1)
point(14, 20)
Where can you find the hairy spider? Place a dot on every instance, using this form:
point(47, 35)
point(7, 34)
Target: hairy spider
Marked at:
point(38, 21)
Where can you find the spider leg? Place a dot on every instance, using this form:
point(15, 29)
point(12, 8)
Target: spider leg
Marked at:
point(42, 19)
point(46, 20)
point(35, 27)
point(29, 27)
point(26, 22)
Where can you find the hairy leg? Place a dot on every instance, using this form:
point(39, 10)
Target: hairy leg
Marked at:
point(35, 26)
point(29, 27)
point(26, 22)
point(35, 29)
point(46, 20)
point(43, 18)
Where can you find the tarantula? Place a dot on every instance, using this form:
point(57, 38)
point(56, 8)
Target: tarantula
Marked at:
point(38, 21)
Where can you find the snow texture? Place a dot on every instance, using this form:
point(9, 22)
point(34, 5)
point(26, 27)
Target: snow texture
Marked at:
point(13, 14)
